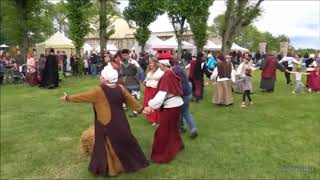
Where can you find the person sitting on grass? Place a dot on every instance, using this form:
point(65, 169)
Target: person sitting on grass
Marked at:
point(115, 149)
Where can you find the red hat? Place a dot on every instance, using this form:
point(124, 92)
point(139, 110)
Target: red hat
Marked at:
point(165, 56)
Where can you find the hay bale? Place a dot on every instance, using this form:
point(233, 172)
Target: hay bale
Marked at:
point(87, 141)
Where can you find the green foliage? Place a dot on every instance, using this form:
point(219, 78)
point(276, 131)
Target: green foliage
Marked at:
point(250, 36)
point(142, 35)
point(143, 13)
point(79, 25)
point(81, 66)
point(37, 27)
point(218, 24)
point(198, 22)
point(239, 14)
point(309, 51)
point(57, 14)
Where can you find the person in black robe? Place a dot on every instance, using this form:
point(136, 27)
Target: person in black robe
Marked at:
point(50, 75)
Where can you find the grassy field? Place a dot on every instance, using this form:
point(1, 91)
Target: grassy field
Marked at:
point(281, 131)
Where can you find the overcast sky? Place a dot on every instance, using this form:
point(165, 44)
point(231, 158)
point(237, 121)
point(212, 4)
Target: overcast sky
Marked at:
point(300, 20)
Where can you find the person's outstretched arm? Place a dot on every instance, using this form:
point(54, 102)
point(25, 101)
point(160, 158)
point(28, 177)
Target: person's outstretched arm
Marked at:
point(85, 97)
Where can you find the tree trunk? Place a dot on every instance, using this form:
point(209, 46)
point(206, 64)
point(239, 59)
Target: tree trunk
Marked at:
point(24, 43)
point(103, 25)
point(179, 33)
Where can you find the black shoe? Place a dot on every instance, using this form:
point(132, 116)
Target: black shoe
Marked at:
point(194, 135)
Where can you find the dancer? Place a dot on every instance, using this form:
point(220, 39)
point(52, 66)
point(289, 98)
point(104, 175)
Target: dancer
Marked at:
point(115, 149)
point(167, 142)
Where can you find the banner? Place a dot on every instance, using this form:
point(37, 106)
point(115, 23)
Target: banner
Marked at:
point(284, 48)
point(262, 47)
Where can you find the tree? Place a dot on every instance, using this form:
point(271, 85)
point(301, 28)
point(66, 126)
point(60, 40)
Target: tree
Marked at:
point(178, 11)
point(58, 15)
point(78, 21)
point(143, 13)
point(218, 24)
point(24, 23)
point(198, 22)
point(250, 38)
point(105, 7)
point(239, 14)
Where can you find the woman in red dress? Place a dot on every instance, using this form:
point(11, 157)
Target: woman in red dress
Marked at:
point(154, 74)
point(167, 142)
point(313, 78)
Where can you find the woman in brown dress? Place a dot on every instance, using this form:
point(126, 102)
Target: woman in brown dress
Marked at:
point(115, 148)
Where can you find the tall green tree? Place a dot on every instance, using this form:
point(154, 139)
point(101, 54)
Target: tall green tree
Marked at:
point(198, 22)
point(78, 18)
point(24, 23)
point(250, 38)
point(218, 24)
point(58, 15)
point(239, 14)
point(178, 12)
point(107, 10)
point(143, 13)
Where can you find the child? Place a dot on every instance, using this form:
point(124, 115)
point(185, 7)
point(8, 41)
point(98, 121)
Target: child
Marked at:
point(299, 85)
point(247, 87)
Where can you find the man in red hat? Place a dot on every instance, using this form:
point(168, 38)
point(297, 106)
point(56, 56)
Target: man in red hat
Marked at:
point(167, 142)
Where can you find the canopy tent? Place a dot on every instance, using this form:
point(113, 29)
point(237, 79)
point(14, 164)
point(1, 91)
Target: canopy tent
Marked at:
point(4, 46)
point(58, 42)
point(152, 43)
point(173, 43)
point(236, 47)
point(110, 47)
point(211, 46)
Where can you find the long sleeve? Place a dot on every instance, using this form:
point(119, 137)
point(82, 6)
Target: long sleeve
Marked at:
point(158, 100)
point(280, 67)
point(214, 74)
point(90, 96)
point(130, 101)
point(283, 59)
point(233, 75)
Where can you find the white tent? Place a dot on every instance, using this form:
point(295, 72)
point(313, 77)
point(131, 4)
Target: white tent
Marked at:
point(173, 43)
point(152, 43)
point(110, 47)
point(3, 46)
point(58, 42)
point(236, 47)
point(87, 47)
point(211, 46)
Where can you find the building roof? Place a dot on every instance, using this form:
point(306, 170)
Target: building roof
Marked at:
point(122, 30)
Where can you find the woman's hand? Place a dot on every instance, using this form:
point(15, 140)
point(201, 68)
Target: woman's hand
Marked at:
point(147, 110)
point(65, 97)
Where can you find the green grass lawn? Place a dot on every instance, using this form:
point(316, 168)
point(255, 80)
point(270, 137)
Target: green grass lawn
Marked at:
point(40, 136)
